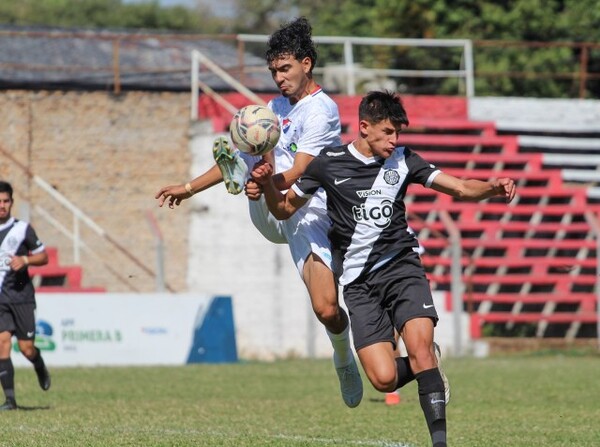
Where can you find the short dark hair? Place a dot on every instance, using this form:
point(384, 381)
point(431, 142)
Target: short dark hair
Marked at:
point(377, 106)
point(294, 39)
point(6, 187)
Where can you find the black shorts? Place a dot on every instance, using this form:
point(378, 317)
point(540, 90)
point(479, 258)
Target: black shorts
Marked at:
point(387, 298)
point(18, 319)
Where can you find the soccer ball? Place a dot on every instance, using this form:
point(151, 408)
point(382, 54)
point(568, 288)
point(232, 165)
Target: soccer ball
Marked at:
point(255, 130)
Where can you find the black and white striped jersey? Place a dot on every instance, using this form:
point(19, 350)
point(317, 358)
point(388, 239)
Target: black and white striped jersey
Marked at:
point(17, 238)
point(365, 201)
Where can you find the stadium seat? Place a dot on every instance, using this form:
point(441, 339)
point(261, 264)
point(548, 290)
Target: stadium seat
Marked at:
point(56, 278)
point(529, 268)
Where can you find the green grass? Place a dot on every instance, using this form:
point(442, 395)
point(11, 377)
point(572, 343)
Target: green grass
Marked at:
point(548, 401)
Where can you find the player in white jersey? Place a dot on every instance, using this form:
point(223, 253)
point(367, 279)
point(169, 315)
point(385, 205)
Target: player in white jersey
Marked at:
point(306, 127)
point(310, 122)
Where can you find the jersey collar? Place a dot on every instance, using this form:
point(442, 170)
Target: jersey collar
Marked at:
point(7, 224)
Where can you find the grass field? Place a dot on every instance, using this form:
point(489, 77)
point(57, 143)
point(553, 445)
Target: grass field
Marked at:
point(544, 400)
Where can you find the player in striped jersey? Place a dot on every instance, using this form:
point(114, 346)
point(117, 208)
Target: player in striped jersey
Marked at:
point(385, 287)
point(19, 248)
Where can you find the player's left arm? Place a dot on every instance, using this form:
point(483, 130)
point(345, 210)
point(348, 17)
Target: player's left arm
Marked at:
point(473, 189)
point(36, 256)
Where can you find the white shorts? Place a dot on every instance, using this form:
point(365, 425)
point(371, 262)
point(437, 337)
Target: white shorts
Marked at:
point(305, 232)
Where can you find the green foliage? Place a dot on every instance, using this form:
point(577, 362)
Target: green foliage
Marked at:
point(515, 401)
point(100, 14)
point(511, 20)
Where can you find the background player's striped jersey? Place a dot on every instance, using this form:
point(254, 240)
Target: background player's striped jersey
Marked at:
point(16, 238)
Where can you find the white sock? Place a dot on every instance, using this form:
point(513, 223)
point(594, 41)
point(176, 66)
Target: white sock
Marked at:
point(342, 351)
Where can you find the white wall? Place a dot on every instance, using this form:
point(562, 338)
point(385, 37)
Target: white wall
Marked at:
point(576, 115)
point(79, 329)
point(227, 255)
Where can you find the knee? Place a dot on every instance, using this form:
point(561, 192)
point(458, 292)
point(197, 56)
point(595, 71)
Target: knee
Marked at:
point(27, 349)
point(383, 380)
point(5, 346)
point(327, 314)
point(326, 310)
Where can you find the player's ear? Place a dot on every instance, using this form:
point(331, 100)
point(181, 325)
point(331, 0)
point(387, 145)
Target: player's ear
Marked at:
point(306, 64)
point(363, 127)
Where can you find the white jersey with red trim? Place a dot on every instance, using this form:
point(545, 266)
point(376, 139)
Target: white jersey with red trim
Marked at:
point(306, 127)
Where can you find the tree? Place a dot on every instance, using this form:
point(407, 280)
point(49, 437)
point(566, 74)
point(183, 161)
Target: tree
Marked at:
point(482, 20)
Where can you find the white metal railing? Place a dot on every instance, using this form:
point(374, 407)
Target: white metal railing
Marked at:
point(78, 216)
point(457, 287)
point(465, 71)
point(351, 70)
point(74, 235)
point(198, 59)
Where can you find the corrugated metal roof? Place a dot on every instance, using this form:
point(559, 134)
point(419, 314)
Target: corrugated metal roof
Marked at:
point(84, 59)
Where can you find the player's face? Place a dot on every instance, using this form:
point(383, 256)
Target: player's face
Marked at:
point(381, 137)
point(5, 206)
point(291, 76)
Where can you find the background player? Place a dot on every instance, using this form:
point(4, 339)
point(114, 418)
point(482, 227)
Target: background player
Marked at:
point(385, 286)
point(310, 121)
point(19, 248)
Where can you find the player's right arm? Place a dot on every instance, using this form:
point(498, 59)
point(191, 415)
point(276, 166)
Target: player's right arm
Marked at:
point(281, 206)
point(321, 129)
point(286, 179)
point(175, 194)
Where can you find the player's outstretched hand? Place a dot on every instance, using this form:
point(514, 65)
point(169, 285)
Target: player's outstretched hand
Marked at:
point(252, 190)
point(262, 172)
point(173, 194)
point(506, 187)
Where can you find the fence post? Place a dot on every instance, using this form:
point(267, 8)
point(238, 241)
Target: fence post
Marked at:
point(160, 256)
point(456, 284)
point(593, 222)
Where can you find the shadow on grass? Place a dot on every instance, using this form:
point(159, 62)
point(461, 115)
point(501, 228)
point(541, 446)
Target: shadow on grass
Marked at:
point(33, 408)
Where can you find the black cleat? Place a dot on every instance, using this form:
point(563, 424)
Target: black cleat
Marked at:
point(10, 404)
point(43, 378)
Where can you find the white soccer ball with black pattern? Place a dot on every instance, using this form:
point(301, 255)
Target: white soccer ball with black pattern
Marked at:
point(255, 130)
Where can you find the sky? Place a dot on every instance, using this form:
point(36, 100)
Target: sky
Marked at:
point(221, 8)
point(167, 2)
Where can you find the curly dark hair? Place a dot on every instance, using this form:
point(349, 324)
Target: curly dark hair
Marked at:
point(294, 39)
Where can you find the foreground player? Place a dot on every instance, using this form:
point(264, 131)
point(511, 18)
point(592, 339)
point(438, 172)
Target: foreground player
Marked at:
point(310, 121)
point(385, 287)
point(19, 247)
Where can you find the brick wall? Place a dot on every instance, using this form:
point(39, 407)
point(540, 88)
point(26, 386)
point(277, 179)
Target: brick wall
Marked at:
point(108, 155)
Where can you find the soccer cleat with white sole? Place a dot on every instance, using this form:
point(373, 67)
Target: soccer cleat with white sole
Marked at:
point(233, 169)
point(438, 357)
point(351, 384)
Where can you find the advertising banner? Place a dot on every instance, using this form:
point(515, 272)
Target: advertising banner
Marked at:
point(132, 329)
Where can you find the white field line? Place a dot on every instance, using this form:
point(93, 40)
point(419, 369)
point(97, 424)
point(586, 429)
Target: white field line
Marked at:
point(218, 434)
point(366, 442)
